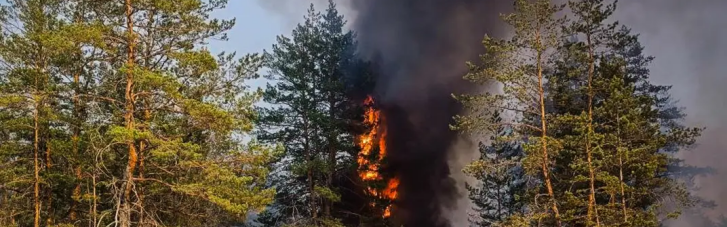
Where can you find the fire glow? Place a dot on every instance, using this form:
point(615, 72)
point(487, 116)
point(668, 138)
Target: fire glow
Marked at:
point(369, 170)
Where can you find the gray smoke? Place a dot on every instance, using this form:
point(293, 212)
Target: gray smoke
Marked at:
point(292, 11)
point(689, 41)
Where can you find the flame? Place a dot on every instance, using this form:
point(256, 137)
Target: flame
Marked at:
point(387, 211)
point(369, 171)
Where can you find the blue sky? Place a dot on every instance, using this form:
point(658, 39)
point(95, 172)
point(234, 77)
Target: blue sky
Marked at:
point(255, 30)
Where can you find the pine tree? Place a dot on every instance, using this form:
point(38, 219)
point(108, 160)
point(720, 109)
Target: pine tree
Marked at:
point(500, 179)
point(614, 131)
point(518, 65)
point(576, 72)
point(336, 62)
point(30, 90)
point(294, 69)
point(312, 117)
point(600, 90)
point(182, 111)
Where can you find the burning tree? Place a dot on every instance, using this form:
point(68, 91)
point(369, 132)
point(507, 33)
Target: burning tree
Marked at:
point(370, 163)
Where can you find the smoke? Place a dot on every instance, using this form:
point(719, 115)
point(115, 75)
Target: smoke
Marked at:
point(291, 11)
point(421, 47)
point(689, 41)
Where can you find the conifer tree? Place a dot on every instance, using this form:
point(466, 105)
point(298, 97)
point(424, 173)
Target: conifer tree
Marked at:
point(311, 116)
point(583, 146)
point(294, 70)
point(500, 179)
point(518, 65)
point(182, 109)
point(614, 131)
point(337, 60)
point(602, 92)
point(30, 91)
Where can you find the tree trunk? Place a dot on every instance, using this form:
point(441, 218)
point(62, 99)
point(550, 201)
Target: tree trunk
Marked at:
point(620, 169)
point(544, 135)
point(129, 118)
point(311, 183)
point(623, 192)
point(39, 104)
point(94, 205)
point(36, 165)
point(75, 149)
point(592, 209)
point(48, 161)
point(331, 154)
point(48, 189)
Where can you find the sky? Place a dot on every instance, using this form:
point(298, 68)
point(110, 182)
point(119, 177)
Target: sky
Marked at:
point(257, 25)
point(255, 28)
point(687, 38)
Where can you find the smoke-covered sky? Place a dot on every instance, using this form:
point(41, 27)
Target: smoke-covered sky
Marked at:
point(688, 39)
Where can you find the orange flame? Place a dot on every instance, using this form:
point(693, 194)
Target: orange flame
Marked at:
point(369, 171)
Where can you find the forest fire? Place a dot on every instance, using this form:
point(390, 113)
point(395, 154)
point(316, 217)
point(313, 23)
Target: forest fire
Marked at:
point(369, 170)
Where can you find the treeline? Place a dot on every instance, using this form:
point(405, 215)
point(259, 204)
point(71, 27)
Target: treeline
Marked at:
point(115, 113)
point(579, 136)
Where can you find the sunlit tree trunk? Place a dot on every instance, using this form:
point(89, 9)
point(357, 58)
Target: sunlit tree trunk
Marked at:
point(36, 165)
point(129, 117)
point(543, 130)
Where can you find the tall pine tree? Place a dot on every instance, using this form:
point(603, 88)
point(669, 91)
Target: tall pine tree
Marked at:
point(32, 90)
point(313, 115)
point(614, 131)
point(630, 123)
point(518, 66)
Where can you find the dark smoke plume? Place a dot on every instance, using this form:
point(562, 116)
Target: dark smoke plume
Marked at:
point(421, 47)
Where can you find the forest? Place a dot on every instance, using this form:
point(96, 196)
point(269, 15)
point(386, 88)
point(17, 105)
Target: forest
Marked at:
point(116, 113)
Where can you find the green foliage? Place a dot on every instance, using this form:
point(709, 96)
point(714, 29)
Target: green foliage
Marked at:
point(635, 125)
point(311, 113)
point(327, 194)
point(63, 66)
point(516, 68)
point(630, 138)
